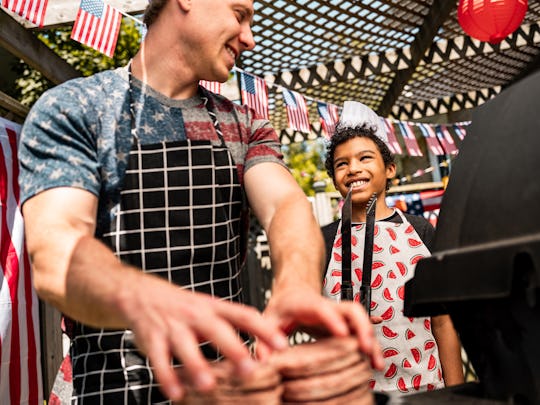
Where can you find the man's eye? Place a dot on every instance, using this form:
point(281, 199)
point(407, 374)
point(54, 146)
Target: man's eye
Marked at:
point(240, 16)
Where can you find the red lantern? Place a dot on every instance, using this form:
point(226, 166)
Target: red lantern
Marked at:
point(491, 20)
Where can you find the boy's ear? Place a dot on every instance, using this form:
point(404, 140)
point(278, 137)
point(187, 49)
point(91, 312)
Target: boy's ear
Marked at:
point(185, 5)
point(391, 171)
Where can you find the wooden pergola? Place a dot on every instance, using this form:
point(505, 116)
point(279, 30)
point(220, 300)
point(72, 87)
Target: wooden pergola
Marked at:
point(406, 59)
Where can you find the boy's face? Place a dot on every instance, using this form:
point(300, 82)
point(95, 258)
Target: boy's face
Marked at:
point(359, 164)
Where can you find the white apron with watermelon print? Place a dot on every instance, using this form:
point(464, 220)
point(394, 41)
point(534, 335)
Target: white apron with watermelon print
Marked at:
point(410, 352)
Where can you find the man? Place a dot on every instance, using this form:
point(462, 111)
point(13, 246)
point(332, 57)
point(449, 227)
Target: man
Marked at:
point(140, 168)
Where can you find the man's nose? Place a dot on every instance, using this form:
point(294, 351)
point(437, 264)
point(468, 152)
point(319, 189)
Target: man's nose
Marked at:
point(246, 38)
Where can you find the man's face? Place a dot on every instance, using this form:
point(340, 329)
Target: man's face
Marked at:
point(225, 32)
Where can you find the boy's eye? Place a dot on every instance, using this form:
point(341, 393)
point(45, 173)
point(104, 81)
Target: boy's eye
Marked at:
point(338, 164)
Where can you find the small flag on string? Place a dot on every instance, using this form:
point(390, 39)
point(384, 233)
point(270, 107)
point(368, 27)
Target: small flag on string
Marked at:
point(392, 143)
point(446, 140)
point(410, 139)
point(31, 10)
point(431, 139)
point(254, 93)
point(460, 131)
point(329, 116)
point(297, 112)
point(214, 87)
point(97, 25)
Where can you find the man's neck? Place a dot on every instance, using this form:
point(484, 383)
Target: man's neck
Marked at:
point(170, 78)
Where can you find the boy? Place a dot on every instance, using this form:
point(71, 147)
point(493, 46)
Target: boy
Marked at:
point(420, 353)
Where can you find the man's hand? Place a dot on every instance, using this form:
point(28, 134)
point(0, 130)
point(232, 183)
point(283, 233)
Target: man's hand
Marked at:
point(172, 322)
point(303, 308)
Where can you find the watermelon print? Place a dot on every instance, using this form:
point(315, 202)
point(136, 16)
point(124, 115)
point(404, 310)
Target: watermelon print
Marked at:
point(402, 268)
point(416, 258)
point(402, 387)
point(409, 349)
point(391, 233)
point(401, 293)
point(390, 352)
point(388, 314)
point(409, 334)
point(387, 296)
point(417, 379)
point(377, 282)
point(358, 273)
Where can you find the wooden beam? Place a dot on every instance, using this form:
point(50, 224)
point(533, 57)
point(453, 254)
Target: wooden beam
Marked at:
point(438, 14)
point(23, 44)
point(12, 105)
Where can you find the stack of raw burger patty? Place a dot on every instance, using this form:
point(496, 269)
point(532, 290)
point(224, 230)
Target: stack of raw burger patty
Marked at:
point(328, 371)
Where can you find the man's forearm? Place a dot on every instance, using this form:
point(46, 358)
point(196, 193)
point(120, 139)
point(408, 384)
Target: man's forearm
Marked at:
point(296, 245)
point(94, 287)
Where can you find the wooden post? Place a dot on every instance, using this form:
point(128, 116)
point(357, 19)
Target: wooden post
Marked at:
point(51, 345)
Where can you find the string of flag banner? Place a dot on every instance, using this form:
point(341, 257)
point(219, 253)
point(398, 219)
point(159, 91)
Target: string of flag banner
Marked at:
point(97, 25)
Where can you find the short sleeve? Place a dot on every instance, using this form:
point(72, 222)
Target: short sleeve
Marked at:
point(57, 146)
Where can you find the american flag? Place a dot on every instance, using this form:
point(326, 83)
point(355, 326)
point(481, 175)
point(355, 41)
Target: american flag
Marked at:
point(20, 367)
point(460, 131)
point(97, 25)
point(214, 87)
point(446, 140)
point(329, 115)
point(297, 112)
point(254, 93)
point(431, 139)
point(31, 10)
point(392, 143)
point(410, 139)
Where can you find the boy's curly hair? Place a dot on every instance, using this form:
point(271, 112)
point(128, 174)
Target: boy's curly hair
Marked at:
point(344, 133)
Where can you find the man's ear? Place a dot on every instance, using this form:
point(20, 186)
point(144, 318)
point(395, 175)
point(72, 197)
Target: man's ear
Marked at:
point(185, 5)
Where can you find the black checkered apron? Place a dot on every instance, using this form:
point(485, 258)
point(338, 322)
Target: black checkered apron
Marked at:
point(179, 217)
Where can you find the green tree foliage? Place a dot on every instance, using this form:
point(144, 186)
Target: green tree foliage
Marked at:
point(306, 162)
point(31, 83)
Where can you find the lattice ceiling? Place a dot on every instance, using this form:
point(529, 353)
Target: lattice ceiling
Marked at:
point(407, 59)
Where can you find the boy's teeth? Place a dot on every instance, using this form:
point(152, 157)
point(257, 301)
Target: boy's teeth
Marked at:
point(358, 183)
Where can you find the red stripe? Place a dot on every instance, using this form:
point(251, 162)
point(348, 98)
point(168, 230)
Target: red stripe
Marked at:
point(33, 384)
point(33, 394)
point(41, 16)
point(114, 34)
point(9, 262)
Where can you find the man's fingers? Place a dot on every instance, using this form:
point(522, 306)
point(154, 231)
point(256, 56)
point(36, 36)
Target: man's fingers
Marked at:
point(248, 319)
point(227, 341)
point(160, 360)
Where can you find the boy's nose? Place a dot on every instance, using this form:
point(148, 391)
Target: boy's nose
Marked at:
point(355, 167)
